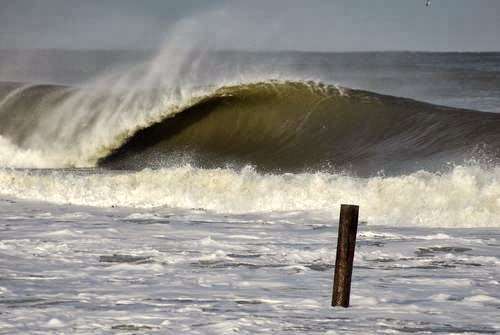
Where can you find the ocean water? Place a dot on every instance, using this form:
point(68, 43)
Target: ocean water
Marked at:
point(198, 192)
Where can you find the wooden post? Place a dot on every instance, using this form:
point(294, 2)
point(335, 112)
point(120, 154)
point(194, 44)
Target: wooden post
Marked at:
point(348, 227)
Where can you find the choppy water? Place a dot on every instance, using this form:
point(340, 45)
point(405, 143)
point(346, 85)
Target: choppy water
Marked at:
point(81, 270)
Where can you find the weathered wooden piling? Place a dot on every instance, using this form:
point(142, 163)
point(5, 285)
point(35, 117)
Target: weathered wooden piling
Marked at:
point(348, 227)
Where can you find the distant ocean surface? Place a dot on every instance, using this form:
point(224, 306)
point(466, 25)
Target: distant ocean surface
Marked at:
point(197, 191)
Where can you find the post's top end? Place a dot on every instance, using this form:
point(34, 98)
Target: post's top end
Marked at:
point(346, 205)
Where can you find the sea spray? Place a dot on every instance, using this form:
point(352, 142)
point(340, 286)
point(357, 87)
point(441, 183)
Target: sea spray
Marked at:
point(82, 124)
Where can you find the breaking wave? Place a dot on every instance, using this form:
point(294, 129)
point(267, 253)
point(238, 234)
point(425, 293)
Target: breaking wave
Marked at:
point(464, 196)
point(274, 126)
point(253, 147)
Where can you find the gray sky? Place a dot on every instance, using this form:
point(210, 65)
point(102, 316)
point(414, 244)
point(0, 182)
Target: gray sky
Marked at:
point(319, 25)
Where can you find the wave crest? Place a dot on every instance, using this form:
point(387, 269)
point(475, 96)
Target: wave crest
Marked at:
point(271, 125)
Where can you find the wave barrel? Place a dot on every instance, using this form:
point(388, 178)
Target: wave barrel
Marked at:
point(348, 227)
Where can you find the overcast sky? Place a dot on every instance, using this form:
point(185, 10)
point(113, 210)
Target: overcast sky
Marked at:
point(319, 25)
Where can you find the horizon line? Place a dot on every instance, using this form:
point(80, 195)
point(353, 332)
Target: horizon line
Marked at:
point(254, 50)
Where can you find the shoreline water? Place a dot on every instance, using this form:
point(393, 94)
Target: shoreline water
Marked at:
point(154, 271)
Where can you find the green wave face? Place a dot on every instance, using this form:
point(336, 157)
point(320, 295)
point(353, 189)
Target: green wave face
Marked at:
point(302, 126)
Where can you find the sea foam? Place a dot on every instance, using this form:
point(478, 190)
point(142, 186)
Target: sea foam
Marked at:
point(464, 196)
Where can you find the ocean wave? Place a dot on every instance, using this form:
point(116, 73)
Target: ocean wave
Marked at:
point(275, 126)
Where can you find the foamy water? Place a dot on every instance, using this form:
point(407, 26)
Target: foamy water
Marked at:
point(465, 196)
point(69, 269)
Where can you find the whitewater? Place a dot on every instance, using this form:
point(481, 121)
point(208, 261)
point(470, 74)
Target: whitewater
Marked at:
point(183, 194)
point(465, 196)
